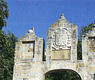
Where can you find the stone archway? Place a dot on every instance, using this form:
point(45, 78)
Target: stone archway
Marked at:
point(62, 74)
point(61, 53)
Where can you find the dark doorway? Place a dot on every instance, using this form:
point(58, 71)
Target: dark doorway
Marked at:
point(62, 75)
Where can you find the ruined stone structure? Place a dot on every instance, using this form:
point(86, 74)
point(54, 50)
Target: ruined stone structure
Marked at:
point(61, 53)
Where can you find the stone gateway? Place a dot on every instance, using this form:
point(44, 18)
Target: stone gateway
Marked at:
point(61, 53)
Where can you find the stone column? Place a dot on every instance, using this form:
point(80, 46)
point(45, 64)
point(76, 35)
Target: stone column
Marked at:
point(84, 48)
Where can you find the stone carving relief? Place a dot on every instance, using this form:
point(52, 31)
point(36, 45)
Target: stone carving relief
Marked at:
point(62, 39)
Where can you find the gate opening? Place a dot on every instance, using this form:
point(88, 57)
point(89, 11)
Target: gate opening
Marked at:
point(62, 75)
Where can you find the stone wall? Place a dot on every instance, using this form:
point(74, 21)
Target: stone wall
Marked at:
point(61, 53)
point(88, 49)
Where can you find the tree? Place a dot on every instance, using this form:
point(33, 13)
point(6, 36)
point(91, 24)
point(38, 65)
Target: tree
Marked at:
point(83, 31)
point(7, 45)
point(4, 13)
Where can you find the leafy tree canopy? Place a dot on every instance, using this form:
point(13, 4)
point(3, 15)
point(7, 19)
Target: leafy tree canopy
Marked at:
point(7, 44)
point(84, 30)
point(4, 13)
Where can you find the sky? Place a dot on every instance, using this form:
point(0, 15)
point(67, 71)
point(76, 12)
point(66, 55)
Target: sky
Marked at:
point(42, 13)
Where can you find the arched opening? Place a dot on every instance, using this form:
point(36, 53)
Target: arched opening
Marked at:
point(62, 74)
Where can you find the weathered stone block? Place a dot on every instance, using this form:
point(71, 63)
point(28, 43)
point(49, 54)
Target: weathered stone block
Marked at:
point(61, 55)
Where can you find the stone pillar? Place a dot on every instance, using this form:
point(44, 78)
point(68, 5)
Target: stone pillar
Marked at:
point(84, 48)
point(74, 44)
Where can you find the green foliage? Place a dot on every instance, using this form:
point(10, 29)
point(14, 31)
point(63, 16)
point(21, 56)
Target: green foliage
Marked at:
point(7, 45)
point(83, 31)
point(79, 51)
point(7, 49)
point(63, 75)
point(4, 13)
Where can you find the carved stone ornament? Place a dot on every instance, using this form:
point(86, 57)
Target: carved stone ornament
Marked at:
point(62, 39)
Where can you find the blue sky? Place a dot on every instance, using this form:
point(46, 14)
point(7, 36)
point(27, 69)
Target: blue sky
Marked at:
point(42, 13)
